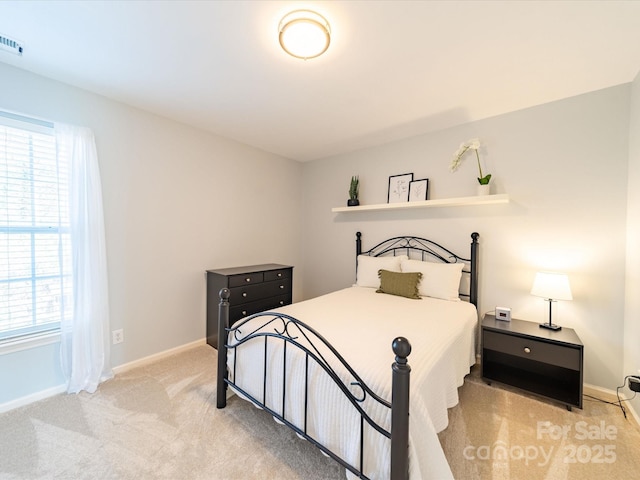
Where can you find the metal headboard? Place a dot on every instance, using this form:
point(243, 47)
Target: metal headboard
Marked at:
point(428, 250)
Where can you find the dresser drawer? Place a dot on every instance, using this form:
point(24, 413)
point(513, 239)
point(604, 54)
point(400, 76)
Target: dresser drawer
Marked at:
point(277, 274)
point(251, 293)
point(241, 311)
point(538, 351)
point(246, 279)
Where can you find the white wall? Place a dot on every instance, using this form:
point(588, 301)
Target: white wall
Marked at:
point(564, 164)
point(169, 188)
point(632, 304)
point(177, 201)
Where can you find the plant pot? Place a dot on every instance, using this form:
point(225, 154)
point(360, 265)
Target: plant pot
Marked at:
point(484, 189)
point(353, 202)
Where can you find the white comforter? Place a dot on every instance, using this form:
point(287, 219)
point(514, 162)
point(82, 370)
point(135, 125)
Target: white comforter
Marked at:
point(361, 325)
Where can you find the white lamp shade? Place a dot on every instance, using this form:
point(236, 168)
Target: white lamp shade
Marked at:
point(554, 286)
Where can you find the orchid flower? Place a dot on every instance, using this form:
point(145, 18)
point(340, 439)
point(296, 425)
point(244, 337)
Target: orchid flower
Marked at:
point(473, 144)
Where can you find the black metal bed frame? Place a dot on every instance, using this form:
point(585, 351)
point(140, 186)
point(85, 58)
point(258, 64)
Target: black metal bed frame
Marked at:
point(428, 249)
point(294, 333)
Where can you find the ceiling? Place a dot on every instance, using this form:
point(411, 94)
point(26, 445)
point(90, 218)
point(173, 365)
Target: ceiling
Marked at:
point(394, 68)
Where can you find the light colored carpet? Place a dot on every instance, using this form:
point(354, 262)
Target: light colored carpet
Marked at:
point(497, 433)
point(160, 422)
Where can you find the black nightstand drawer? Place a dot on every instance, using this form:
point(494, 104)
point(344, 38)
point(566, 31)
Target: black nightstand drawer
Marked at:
point(535, 350)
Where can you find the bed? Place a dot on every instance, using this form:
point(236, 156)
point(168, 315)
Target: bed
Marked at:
point(325, 367)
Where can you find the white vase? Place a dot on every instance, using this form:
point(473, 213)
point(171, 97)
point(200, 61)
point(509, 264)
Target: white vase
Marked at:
point(484, 189)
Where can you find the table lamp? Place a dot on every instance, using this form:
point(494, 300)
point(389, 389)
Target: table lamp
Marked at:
point(551, 287)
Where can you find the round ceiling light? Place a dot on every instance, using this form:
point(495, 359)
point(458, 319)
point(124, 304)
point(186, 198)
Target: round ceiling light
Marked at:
point(304, 34)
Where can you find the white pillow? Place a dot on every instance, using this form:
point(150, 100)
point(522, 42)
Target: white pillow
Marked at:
point(439, 280)
point(367, 273)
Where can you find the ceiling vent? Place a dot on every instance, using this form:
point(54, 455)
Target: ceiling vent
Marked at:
point(10, 45)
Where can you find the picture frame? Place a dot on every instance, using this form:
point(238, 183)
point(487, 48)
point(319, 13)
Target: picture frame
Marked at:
point(419, 190)
point(399, 188)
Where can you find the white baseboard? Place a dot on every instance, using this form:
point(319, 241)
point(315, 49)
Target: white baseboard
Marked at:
point(50, 392)
point(34, 397)
point(157, 356)
point(606, 391)
point(633, 412)
point(614, 398)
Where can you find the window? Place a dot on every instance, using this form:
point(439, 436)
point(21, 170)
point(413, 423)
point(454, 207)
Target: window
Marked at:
point(35, 254)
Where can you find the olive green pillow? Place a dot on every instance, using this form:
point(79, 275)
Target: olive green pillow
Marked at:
point(402, 284)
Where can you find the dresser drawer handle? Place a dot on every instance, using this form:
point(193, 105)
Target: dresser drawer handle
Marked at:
point(281, 302)
point(527, 350)
point(281, 286)
point(248, 279)
point(244, 294)
point(244, 312)
point(279, 274)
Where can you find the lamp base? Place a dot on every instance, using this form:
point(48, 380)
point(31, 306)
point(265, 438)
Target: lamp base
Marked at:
point(550, 326)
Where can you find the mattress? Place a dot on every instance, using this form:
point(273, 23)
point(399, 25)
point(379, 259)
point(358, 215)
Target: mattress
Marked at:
point(361, 324)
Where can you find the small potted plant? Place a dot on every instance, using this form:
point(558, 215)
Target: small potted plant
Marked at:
point(353, 192)
point(473, 144)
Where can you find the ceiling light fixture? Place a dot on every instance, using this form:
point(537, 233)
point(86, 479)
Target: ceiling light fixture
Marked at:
point(304, 34)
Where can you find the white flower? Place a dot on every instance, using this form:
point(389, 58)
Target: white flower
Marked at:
point(457, 160)
point(473, 144)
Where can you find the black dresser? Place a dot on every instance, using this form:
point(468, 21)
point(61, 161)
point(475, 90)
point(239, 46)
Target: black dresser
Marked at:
point(253, 289)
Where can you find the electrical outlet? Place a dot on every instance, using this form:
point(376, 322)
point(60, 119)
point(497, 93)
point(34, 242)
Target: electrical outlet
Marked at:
point(117, 336)
point(634, 384)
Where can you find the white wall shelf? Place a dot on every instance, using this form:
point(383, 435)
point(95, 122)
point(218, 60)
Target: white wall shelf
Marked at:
point(441, 202)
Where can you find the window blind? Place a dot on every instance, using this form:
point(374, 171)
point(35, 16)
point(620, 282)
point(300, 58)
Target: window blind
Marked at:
point(35, 256)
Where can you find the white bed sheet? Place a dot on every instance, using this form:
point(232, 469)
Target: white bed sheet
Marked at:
point(361, 324)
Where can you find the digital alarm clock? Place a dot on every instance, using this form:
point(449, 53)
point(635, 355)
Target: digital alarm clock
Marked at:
point(503, 313)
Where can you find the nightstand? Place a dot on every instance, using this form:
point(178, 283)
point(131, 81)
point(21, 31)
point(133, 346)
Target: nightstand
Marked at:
point(545, 362)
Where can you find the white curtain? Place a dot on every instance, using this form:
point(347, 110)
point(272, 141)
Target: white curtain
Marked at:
point(84, 345)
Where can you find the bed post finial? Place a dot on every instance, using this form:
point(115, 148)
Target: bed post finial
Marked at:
point(402, 349)
point(400, 410)
point(223, 323)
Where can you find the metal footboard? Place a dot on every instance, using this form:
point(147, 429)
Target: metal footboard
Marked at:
point(294, 334)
